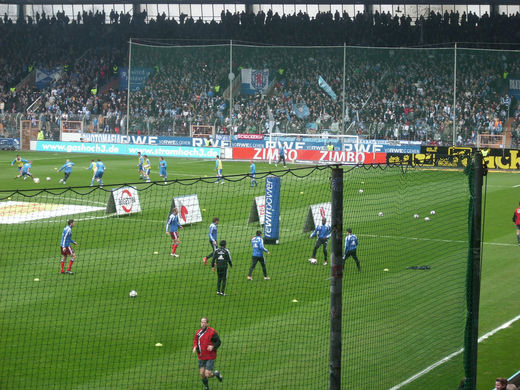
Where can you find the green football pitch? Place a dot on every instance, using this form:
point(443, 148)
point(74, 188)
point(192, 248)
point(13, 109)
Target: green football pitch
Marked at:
point(83, 331)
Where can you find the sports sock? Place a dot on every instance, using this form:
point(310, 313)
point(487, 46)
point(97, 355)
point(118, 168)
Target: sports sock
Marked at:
point(70, 265)
point(62, 266)
point(174, 248)
point(205, 381)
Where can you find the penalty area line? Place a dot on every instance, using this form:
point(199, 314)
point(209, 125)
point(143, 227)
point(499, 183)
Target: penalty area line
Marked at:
point(451, 356)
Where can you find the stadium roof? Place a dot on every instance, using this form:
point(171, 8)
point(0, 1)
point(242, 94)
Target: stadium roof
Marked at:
point(398, 2)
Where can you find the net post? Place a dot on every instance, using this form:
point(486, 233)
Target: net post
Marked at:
point(474, 274)
point(336, 277)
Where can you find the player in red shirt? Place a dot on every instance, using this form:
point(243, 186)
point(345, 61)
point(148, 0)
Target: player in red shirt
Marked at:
point(516, 221)
point(205, 344)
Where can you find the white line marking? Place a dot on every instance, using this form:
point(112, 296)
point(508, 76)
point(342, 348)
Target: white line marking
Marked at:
point(518, 185)
point(444, 360)
point(432, 239)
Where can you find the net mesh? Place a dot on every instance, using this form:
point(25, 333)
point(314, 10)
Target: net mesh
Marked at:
point(85, 331)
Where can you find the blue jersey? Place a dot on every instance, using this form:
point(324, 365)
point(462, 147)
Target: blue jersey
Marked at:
point(173, 223)
point(100, 167)
point(322, 231)
point(66, 237)
point(253, 169)
point(351, 242)
point(26, 167)
point(212, 234)
point(257, 243)
point(67, 167)
point(162, 165)
point(141, 160)
point(282, 152)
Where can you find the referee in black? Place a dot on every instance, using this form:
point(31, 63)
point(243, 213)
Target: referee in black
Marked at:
point(222, 257)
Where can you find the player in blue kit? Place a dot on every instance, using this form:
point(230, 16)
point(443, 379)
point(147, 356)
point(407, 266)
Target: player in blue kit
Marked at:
point(351, 243)
point(322, 232)
point(66, 249)
point(26, 170)
point(140, 161)
point(172, 228)
point(257, 243)
point(253, 174)
point(162, 168)
point(212, 234)
point(67, 169)
point(100, 170)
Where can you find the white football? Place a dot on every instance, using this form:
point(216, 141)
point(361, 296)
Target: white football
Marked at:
point(48, 178)
point(380, 214)
point(416, 216)
point(426, 219)
point(313, 261)
point(36, 180)
point(360, 191)
point(432, 212)
point(133, 294)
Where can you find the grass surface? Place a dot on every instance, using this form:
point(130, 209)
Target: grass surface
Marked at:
point(84, 332)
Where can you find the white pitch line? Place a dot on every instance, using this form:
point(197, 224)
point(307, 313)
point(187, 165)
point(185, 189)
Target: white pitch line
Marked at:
point(433, 239)
point(518, 185)
point(445, 359)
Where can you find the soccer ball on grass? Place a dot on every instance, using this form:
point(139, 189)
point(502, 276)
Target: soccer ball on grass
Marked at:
point(36, 180)
point(133, 294)
point(313, 261)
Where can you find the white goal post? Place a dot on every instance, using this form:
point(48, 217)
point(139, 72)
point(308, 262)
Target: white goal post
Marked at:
point(351, 139)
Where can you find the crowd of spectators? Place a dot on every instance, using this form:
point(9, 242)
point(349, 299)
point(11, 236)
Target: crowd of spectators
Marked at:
point(390, 92)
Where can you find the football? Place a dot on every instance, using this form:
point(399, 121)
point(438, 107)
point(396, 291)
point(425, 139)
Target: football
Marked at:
point(36, 180)
point(360, 191)
point(432, 212)
point(48, 178)
point(416, 216)
point(380, 214)
point(313, 261)
point(426, 219)
point(133, 294)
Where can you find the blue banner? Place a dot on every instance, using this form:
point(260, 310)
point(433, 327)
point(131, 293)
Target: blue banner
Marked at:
point(138, 78)
point(127, 149)
point(272, 209)
point(301, 110)
point(326, 87)
point(46, 76)
point(514, 87)
point(254, 80)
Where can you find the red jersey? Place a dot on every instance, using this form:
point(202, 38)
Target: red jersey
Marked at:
point(516, 216)
point(203, 339)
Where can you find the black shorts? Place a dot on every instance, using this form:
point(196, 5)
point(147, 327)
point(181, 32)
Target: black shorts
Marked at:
point(207, 364)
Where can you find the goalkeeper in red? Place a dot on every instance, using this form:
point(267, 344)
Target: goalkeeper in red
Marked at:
point(172, 228)
point(205, 345)
point(516, 221)
point(323, 233)
point(66, 249)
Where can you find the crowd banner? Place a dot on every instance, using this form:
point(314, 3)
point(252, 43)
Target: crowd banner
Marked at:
point(138, 78)
point(254, 81)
